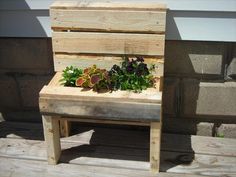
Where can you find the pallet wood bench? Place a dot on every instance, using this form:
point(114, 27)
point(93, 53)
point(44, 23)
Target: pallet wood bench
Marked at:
point(90, 32)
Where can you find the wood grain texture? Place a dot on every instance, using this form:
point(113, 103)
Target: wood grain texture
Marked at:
point(61, 61)
point(136, 139)
point(100, 109)
point(52, 139)
point(65, 126)
point(103, 4)
point(109, 20)
point(151, 95)
point(116, 156)
point(101, 121)
point(108, 43)
point(155, 146)
point(28, 168)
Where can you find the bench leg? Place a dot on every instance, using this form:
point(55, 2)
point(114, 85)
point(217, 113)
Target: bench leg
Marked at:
point(52, 138)
point(155, 138)
point(65, 128)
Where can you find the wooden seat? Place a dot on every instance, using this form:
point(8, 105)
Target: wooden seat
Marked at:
point(101, 33)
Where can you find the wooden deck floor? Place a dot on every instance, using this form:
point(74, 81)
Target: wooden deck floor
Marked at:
point(112, 152)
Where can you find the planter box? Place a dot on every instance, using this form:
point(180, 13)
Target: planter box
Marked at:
point(101, 33)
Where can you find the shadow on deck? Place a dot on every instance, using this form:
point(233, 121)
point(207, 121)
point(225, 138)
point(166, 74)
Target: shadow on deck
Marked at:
point(122, 151)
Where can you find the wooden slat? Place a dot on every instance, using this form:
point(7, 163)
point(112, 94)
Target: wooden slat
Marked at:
point(55, 81)
point(136, 138)
point(118, 157)
point(151, 95)
point(103, 4)
point(109, 20)
point(61, 61)
point(126, 111)
point(108, 43)
point(65, 126)
point(100, 121)
point(28, 168)
point(52, 139)
point(155, 146)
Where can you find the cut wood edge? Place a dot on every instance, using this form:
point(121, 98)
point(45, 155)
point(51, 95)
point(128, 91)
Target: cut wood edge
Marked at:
point(151, 95)
point(106, 5)
point(108, 43)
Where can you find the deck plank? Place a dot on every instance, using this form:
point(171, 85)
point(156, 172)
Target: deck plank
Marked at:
point(135, 138)
point(27, 168)
point(120, 157)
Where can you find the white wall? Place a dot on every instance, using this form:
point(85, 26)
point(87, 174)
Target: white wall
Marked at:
point(200, 20)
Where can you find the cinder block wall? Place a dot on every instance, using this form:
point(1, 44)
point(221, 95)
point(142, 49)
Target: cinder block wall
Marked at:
point(199, 86)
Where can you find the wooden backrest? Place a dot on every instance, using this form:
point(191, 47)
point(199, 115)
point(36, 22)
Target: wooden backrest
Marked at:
point(90, 32)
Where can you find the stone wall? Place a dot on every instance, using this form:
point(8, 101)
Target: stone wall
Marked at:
point(199, 86)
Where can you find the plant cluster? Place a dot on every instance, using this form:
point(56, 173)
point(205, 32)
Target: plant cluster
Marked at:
point(133, 74)
point(70, 75)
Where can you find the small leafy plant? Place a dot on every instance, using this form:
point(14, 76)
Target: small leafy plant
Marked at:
point(70, 75)
point(95, 78)
point(132, 75)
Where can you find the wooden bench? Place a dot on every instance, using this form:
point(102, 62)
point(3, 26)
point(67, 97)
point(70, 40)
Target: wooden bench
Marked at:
point(86, 33)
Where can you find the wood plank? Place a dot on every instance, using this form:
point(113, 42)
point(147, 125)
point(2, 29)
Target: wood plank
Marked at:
point(109, 20)
point(108, 43)
point(191, 163)
point(65, 126)
point(115, 122)
point(28, 168)
point(61, 61)
point(151, 95)
point(103, 4)
point(126, 111)
point(155, 140)
point(122, 158)
point(137, 138)
point(199, 144)
point(56, 78)
point(52, 139)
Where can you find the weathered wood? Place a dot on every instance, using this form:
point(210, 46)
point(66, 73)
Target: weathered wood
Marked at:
point(119, 157)
point(135, 139)
point(64, 127)
point(108, 20)
point(108, 43)
point(103, 4)
point(97, 121)
point(52, 139)
point(28, 168)
point(155, 148)
point(56, 79)
point(61, 61)
point(126, 111)
point(64, 124)
point(151, 95)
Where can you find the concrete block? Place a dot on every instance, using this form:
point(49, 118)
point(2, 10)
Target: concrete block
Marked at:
point(208, 99)
point(22, 116)
point(205, 129)
point(26, 55)
point(231, 69)
point(195, 59)
point(30, 87)
point(9, 96)
point(187, 126)
point(226, 131)
point(170, 96)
